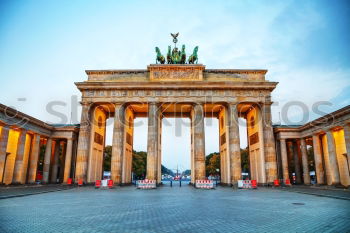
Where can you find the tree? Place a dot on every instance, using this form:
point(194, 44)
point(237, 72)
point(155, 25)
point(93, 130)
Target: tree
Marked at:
point(212, 163)
point(245, 160)
point(107, 158)
point(139, 164)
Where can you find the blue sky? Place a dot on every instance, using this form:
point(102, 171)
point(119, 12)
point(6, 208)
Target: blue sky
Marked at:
point(45, 46)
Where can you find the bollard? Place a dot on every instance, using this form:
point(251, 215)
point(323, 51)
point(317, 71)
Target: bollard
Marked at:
point(171, 183)
point(69, 181)
point(254, 184)
point(98, 184)
point(180, 182)
point(110, 184)
point(80, 182)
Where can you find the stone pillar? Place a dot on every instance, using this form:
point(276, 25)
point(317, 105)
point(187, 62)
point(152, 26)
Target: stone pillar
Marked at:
point(334, 170)
point(284, 159)
point(306, 172)
point(118, 143)
point(47, 159)
point(33, 158)
point(83, 144)
point(152, 142)
point(318, 159)
point(55, 162)
point(347, 142)
point(68, 160)
point(18, 170)
point(269, 144)
point(199, 141)
point(3, 146)
point(159, 180)
point(234, 144)
point(296, 162)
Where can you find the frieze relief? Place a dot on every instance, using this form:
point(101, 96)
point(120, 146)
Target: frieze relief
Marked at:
point(174, 93)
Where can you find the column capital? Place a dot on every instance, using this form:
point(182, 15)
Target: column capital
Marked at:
point(85, 103)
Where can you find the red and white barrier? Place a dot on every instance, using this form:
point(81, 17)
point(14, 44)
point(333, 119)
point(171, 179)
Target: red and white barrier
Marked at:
point(247, 184)
point(204, 184)
point(146, 184)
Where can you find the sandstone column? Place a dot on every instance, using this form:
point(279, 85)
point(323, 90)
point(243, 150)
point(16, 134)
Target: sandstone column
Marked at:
point(118, 143)
point(284, 159)
point(199, 141)
point(18, 170)
point(83, 144)
point(347, 142)
point(306, 172)
point(296, 162)
point(234, 144)
point(3, 146)
point(68, 160)
point(152, 141)
point(269, 144)
point(159, 180)
point(334, 170)
point(47, 159)
point(33, 159)
point(55, 162)
point(318, 159)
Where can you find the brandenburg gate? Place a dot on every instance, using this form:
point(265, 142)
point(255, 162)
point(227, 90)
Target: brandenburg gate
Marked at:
point(177, 87)
point(176, 90)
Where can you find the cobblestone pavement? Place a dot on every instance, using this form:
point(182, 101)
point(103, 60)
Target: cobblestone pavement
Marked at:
point(321, 191)
point(174, 209)
point(24, 190)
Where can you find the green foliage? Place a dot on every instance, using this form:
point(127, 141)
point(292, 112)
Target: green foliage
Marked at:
point(186, 172)
point(310, 159)
point(107, 158)
point(139, 164)
point(167, 171)
point(212, 163)
point(245, 160)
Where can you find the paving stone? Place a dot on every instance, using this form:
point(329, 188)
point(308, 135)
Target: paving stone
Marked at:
point(166, 209)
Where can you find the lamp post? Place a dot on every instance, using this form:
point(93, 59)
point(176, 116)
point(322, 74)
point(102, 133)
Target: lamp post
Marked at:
point(3, 171)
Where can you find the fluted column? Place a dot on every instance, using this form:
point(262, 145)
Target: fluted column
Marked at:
point(152, 142)
point(318, 159)
point(269, 144)
point(18, 170)
point(284, 159)
point(306, 172)
point(3, 146)
point(118, 143)
point(68, 160)
point(347, 142)
point(199, 141)
point(296, 162)
point(234, 144)
point(47, 159)
point(83, 144)
point(55, 162)
point(334, 169)
point(33, 158)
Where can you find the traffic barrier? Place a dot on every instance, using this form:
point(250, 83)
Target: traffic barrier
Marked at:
point(287, 182)
point(244, 184)
point(98, 184)
point(276, 183)
point(204, 184)
point(110, 184)
point(69, 181)
point(254, 184)
point(80, 182)
point(146, 184)
point(104, 183)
